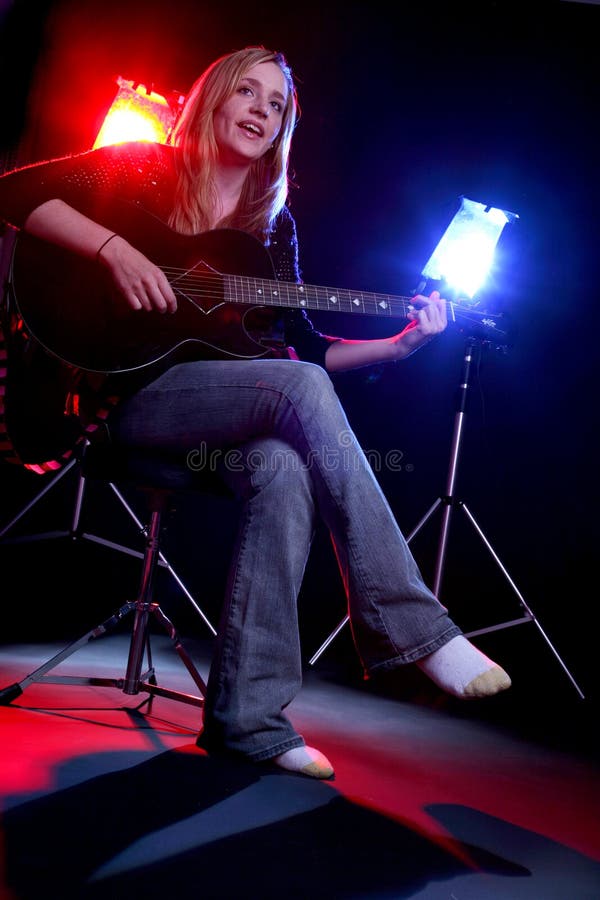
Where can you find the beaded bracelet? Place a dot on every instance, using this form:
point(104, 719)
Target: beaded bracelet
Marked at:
point(102, 246)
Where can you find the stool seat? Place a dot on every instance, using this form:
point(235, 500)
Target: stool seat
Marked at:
point(146, 468)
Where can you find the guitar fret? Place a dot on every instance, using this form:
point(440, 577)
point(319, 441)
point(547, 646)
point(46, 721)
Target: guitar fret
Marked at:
point(280, 295)
point(310, 297)
point(294, 295)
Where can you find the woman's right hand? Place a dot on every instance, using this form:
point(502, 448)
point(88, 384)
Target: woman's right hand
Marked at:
point(135, 277)
point(142, 284)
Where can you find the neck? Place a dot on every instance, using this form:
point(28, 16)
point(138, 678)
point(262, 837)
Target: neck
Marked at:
point(229, 181)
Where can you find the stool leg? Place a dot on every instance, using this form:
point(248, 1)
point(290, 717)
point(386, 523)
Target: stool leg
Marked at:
point(183, 654)
point(143, 607)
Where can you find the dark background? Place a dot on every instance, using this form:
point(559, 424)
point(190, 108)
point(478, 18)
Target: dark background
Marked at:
point(401, 116)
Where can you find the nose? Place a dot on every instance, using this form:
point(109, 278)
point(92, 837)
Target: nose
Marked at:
point(261, 107)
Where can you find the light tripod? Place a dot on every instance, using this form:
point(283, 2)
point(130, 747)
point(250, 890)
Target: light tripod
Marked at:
point(448, 502)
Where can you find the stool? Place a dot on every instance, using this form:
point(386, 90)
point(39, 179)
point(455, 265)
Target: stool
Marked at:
point(159, 479)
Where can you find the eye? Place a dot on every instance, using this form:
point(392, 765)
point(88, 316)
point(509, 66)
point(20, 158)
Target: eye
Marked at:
point(244, 89)
point(276, 105)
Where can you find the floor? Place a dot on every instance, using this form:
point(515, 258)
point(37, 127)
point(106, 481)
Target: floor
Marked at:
point(106, 795)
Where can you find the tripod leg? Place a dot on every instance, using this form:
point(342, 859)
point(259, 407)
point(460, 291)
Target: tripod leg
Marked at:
point(36, 500)
point(10, 693)
point(529, 615)
point(423, 520)
point(328, 640)
point(187, 661)
point(163, 560)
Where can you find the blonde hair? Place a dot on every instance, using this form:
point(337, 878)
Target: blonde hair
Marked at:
point(265, 189)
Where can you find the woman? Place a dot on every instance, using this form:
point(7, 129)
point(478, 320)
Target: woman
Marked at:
point(227, 168)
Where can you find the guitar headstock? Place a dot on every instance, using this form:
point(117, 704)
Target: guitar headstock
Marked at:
point(494, 329)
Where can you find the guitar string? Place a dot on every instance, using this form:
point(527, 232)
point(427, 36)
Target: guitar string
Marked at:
point(313, 296)
point(205, 286)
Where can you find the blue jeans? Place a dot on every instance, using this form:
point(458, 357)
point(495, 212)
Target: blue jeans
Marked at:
point(277, 433)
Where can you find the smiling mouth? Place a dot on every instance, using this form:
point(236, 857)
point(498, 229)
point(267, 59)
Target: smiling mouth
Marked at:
point(251, 128)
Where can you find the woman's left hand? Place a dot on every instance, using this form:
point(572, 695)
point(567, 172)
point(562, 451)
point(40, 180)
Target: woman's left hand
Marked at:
point(428, 317)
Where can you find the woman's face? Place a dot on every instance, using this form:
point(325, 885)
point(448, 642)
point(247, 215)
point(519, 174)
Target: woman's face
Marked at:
point(247, 123)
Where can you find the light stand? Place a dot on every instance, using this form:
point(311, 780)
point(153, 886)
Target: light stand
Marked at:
point(448, 503)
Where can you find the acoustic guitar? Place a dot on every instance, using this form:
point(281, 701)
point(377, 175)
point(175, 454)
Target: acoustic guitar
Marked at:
point(222, 279)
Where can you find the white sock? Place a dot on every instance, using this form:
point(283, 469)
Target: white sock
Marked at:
point(459, 668)
point(306, 760)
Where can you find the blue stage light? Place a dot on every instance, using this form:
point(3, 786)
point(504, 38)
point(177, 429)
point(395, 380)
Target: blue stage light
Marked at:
point(463, 258)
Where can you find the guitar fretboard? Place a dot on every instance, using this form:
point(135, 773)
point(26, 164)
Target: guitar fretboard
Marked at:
point(264, 292)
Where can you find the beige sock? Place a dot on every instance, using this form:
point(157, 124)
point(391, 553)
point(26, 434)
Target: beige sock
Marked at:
point(459, 668)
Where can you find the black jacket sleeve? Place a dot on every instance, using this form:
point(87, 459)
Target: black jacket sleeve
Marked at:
point(126, 171)
point(299, 332)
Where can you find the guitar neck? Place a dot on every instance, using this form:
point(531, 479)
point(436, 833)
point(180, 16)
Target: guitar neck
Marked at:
point(245, 290)
point(266, 292)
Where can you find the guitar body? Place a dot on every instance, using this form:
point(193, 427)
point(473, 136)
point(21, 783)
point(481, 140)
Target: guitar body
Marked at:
point(68, 306)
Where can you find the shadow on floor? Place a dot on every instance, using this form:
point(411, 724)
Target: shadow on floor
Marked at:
point(102, 801)
point(180, 820)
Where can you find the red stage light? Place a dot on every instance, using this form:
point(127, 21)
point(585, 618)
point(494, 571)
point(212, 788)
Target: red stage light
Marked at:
point(138, 114)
